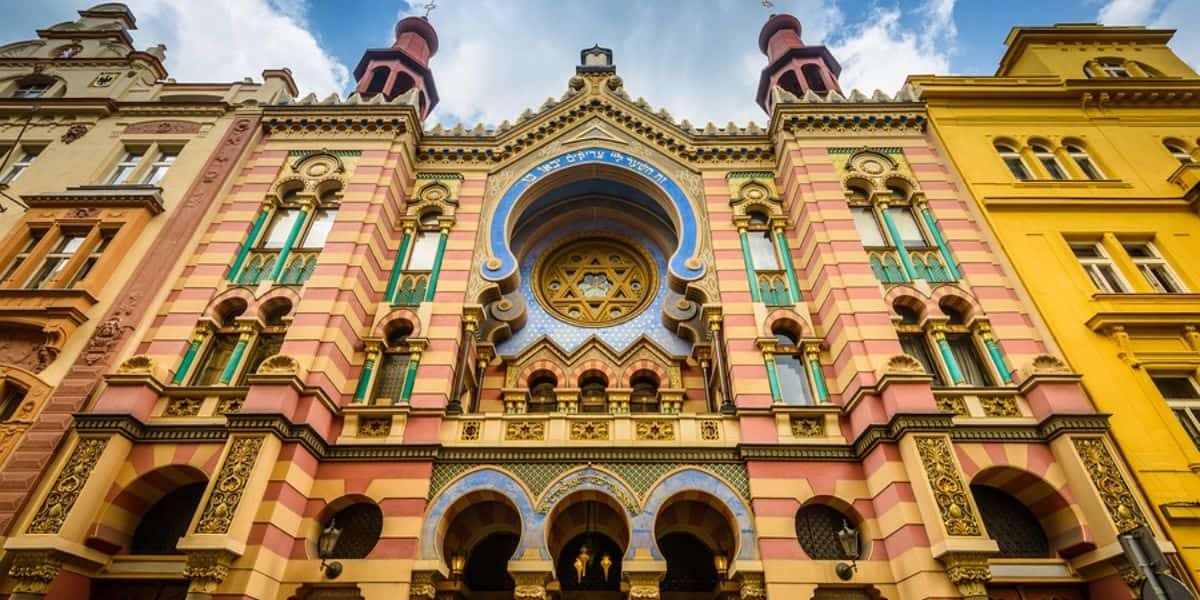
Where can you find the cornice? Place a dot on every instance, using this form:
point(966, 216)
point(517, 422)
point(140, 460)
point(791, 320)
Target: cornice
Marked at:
point(147, 197)
point(277, 425)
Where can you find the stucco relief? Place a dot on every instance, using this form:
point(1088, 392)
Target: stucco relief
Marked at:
point(25, 347)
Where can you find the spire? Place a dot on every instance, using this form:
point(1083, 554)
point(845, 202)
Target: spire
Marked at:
point(792, 65)
point(402, 67)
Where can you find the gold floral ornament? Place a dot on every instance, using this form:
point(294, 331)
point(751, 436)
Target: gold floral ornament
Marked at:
point(595, 281)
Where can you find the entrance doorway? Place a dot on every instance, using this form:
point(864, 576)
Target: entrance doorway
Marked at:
point(1036, 592)
point(103, 589)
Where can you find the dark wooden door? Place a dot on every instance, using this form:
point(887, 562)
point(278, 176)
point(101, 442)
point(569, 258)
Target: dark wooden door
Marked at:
point(138, 590)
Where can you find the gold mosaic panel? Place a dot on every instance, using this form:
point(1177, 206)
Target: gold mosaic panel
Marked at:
point(595, 280)
point(589, 430)
point(70, 482)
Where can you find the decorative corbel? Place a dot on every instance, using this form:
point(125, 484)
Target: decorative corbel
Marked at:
point(1124, 345)
point(969, 572)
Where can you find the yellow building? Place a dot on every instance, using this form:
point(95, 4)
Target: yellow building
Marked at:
point(1081, 156)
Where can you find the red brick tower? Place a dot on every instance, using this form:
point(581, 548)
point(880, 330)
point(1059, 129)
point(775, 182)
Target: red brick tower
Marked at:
point(404, 66)
point(792, 65)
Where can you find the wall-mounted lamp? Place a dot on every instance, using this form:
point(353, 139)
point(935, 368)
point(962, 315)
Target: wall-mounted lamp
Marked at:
point(721, 562)
point(458, 562)
point(326, 542)
point(848, 538)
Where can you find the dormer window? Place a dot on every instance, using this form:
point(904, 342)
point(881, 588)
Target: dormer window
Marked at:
point(33, 90)
point(1114, 68)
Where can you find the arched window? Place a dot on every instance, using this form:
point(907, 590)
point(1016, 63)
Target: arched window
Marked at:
point(1012, 159)
point(379, 77)
point(915, 342)
point(790, 370)
point(269, 340)
point(644, 398)
point(812, 76)
point(964, 347)
point(1084, 162)
point(1011, 524)
point(12, 395)
point(424, 249)
point(36, 86)
point(817, 527)
point(361, 525)
point(167, 521)
point(868, 227)
point(403, 83)
point(393, 367)
point(1179, 151)
point(1113, 67)
point(1046, 157)
point(762, 247)
point(791, 84)
point(593, 392)
point(220, 346)
point(541, 393)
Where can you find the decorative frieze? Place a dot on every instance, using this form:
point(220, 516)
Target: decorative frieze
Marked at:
point(182, 407)
point(949, 491)
point(808, 427)
point(589, 430)
point(1000, 406)
point(66, 488)
point(953, 404)
point(231, 484)
point(523, 431)
point(1101, 467)
point(654, 431)
point(710, 430)
point(470, 431)
point(374, 427)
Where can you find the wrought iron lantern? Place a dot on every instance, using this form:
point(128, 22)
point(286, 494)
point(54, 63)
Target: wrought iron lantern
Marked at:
point(326, 542)
point(847, 537)
point(721, 562)
point(458, 561)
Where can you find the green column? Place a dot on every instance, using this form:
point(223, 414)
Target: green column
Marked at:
point(948, 357)
point(281, 261)
point(773, 377)
point(814, 367)
point(244, 251)
point(360, 392)
point(998, 359)
point(188, 357)
point(437, 266)
point(905, 259)
point(793, 283)
point(940, 241)
point(752, 278)
point(410, 378)
point(397, 267)
point(235, 358)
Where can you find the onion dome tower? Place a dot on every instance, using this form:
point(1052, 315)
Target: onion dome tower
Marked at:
point(396, 70)
point(791, 65)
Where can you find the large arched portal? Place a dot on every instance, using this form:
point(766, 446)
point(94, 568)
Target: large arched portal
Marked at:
point(478, 544)
point(697, 539)
point(587, 537)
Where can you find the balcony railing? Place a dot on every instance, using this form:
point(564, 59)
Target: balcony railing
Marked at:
point(411, 289)
point(260, 264)
point(773, 288)
point(926, 264)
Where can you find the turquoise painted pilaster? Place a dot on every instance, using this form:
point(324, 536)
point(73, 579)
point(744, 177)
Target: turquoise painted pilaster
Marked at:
point(281, 261)
point(951, 266)
point(190, 356)
point(235, 358)
point(993, 349)
point(398, 266)
point(244, 251)
point(360, 392)
point(437, 265)
point(750, 275)
point(793, 283)
point(410, 378)
point(813, 357)
point(773, 377)
point(905, 259)
point(948, 357)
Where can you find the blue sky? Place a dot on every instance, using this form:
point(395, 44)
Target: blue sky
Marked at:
point(697, 58)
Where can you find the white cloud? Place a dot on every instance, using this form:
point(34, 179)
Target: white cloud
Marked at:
point(1159, 14)
point(1126, 12)
point(226, 40)
point(496, 60)
point(880, 53)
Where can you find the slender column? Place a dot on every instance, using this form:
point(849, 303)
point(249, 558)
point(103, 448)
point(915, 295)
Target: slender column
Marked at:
point(939, 336)
point(786, 253)
point(984, 330)
point(198, 337)
point(812, 356)
point(931, 224)
point(437, 261)
point(414, 360)
point(905, 259)
point(454, 406)
point(364, 380)
point(718, 343)
point(245, 333)
point(259, 221)
point(704, 357)
point(750, 275)
point(305, 209)
point(773, 376)
point(398, 266)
